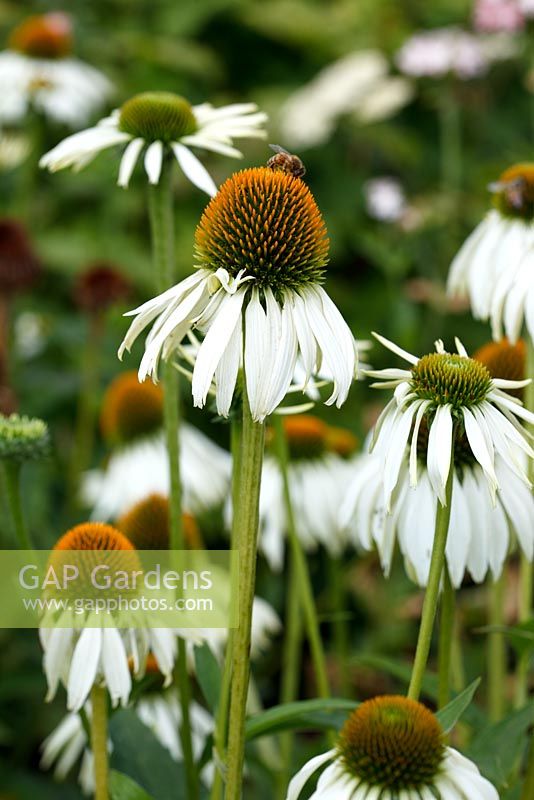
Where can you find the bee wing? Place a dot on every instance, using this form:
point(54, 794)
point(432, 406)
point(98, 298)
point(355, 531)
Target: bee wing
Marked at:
point(278, 149)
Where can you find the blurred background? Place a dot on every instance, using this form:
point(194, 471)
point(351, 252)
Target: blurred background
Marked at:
point(400, 146)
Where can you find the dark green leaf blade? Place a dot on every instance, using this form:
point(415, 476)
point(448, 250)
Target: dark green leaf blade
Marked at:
point(451, 713)
point(324, 714)
point(122, 787)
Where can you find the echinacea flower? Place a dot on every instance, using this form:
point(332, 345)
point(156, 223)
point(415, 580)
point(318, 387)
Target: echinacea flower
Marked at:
point(147, 525)
point(99, 655)
point(39, 72)
point(480, 533)
point(160, 123)
point(23, 438)
point(261, 251)
point(442, 51)
point(494, 268)
point(158, 708)
point(100, 286)
point(319, 473)
point(453, 394)
point(392, 748)
point(384, 199)
point(132, 423)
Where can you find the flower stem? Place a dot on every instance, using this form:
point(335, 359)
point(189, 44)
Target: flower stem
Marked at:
point(446, 635)
point(87, 403)
point(99, 741)
point(162, 228)
point(526, 583)
point(430, 604)
point(12, 478)
point(246, 521)
point(291, 662)
point(219, 736)
point(301, 566)
point(496, 650)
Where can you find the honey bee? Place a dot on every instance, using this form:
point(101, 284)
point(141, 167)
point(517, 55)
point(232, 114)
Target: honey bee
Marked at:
point(286, 162)
point(513, 191)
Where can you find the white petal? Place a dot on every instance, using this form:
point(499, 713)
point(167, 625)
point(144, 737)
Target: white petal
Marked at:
point(115, 666)
point(154, 161)
point(194, 169)
point(129, 160)
point(396, 349)
point(300, 779)
point(83, 668)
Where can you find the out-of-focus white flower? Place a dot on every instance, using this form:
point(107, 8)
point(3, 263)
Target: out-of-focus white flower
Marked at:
point(493, 16)
point(38, 72)
point(14, 149)
point(142, 468)
point(494, 268)
point(158, 710)
point(358, 83)
point(384, 198)
point(436, 53)
point(319, 474)
point(30, 334)
point(161, 123)
point(265, 625)
point(527, 7)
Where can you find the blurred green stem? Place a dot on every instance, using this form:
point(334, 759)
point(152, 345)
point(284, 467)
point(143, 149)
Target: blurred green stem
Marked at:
point(87, 403)
point(246, 520)
point(162, 228)
point(99, 741)
point(430, 604)
point(219, 736)
point(450, 140)
point(341, 630)
point(12, 480)
point(301, 565)
point(526, 567)
point(446, 634)
point(496, 649)
point(291, 665)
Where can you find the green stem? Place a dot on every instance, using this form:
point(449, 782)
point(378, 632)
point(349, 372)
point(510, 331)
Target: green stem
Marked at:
point(219, 736)
point(451, 140)
point(301, 566)
point(246, 521)
point(430, 604)
point(446, 635)
point(527, 792)
point(162, 228)
point(496, 650)
point(291, 663)
point(12, 477)
point(526, 568)
point(99, 741)
point(87, 404)
point(341, 629)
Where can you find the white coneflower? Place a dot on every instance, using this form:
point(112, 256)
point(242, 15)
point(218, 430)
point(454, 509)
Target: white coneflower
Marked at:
point(385, 199)
point(159, 709)
point(359, 84)
point(453, 394)
point(261, 248)
point(495, 265)
point(319, 474)
point(393, 748)
point(266, 625)
point(38, 72)
point(94, 656)
point(442, 51)
point(132, 422)
point(161, 123)
point(480, 535)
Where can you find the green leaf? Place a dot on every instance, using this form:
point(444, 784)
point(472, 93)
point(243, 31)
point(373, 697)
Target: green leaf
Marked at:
point(208, 675)
point(122, 787)
point(451, 713)
point(498, 747)
point(323, 714)
point(138, 754)
point(521, 636)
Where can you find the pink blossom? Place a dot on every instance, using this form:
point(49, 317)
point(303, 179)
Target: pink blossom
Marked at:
point(492, 16)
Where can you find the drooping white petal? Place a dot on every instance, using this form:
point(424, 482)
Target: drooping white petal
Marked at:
point(298, 782)
point(440, 450)
point(154, 161)
point(129, 160)
point(115, 666)
point(194, 169)
point(83, 668)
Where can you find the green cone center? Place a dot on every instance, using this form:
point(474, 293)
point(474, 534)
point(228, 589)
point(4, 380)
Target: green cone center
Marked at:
point(448, 379)
point(157, 116)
